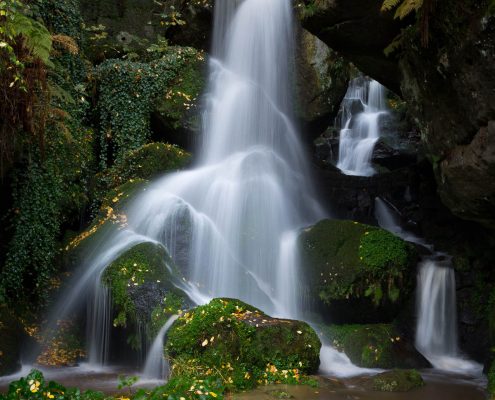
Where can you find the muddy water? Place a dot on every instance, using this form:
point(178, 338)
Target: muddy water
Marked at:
point(438, 386)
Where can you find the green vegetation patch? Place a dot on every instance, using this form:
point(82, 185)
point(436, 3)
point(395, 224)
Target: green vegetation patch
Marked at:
point(237, 343)
point(146, 162)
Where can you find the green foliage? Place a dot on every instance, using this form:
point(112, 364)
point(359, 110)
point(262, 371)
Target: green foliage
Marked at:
point(491, 379)
point(50, 186)
point(237, 343)
point(380, 250)
point(128, 91)
point(34, 387)
point(403, 7)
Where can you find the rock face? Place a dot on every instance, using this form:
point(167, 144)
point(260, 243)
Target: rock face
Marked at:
point(448, 86)
point(358, 31)
point(357, 273)
point(243, 344)
point(468, 177)
point(375, 346)
point(322, 78)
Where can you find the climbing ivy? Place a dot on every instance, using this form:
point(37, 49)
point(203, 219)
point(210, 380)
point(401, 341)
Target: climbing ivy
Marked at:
point(127, 93)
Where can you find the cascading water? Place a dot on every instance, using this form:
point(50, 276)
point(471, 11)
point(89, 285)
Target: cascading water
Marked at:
point(436, 326)
point(363, 106)
point(156, 367)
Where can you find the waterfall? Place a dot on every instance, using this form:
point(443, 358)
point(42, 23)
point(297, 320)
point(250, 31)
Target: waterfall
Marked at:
point(156, 366)
point(363, 106)
point(436, 326)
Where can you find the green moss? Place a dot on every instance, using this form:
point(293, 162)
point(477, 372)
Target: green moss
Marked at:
point(241, 345)
point(145, 163)
point(398, 381)
point(374, 346)
point(347, 259)
point(145, 265)
point(177, 105)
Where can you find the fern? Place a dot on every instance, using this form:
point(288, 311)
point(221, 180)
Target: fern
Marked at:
point(37, 39)
point(390, 5)
point(404, 7)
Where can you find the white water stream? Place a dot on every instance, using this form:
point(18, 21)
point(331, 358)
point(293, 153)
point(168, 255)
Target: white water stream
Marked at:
point(363, 106)
point(436, 327)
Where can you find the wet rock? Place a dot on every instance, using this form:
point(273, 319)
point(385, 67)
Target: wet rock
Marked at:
point(356, 272)
point(142, 282)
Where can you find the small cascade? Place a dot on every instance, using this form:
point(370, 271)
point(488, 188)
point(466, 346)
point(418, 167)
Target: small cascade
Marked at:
point(363, 106)
point(436, 334)
point(156, 366)
point(436, 326)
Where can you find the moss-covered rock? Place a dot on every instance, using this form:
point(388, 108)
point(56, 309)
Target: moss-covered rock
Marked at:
point(176, 108)
point(9, 342)
point(375, 346)
point(142, 288)
point(359, 273)
point(146, 163)
point(397, 381)
point(242, 345)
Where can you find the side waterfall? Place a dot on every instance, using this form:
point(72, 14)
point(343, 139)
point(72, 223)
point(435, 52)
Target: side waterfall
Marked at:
point(156, 366)
point(436, 326)
point(362, 107)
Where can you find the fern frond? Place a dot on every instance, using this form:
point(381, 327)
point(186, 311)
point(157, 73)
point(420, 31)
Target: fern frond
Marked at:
point(390, 4)
point(37, 38)
point(407, 7)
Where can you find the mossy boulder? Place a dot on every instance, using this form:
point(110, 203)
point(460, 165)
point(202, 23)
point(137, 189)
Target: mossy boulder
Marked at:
point(10, 342)
point(176, 108)
point(397, 381)
point(358, 273)
point(375, 346)
point(141, 282)
point(144, 163)
point(242, 345)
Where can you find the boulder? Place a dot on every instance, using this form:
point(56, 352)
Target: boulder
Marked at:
point(242, 345)
point(357, 273)
point(145, 163)
point(375, 346)
point(175, 112)
point(141, 282)
point(397, 381)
